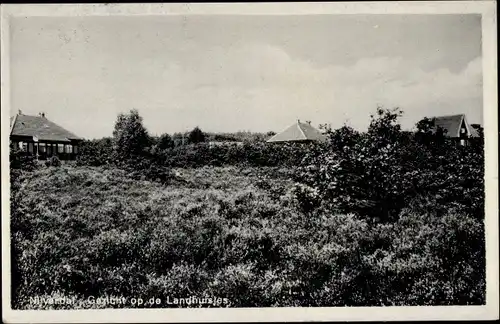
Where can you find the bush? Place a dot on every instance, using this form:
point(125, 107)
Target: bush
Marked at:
point(196, 136)
point(21, 160)
point(143, 168)
point(376, 174)
point(95, 152)
point(53, 161)
point(248, 154)
point(165, 141)
point(130, 137)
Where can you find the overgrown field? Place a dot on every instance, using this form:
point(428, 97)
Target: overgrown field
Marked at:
point(228, 232)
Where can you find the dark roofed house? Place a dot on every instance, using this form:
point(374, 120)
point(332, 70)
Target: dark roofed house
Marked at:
point(298, 132)
point(456, 128)
point(42, 137)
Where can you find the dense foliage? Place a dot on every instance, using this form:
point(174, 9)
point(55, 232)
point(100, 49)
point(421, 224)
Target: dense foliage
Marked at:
point(241, 136)
point(95, 152)
point(165, 141)
point(196, 136)
point(130, 137)
point(100, 152)
point(231, 233)
point(377, 173)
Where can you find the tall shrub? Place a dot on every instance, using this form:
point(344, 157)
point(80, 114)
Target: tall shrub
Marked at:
point(165, 141)
point(130, 137)
point(378, 173)
point(196, 136)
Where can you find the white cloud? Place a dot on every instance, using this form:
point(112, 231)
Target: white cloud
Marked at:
point(261, 87)
point(255, 87)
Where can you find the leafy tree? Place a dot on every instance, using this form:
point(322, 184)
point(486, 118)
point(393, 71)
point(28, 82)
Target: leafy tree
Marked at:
point(130, 137)
point(196, 136)
point(165, 141)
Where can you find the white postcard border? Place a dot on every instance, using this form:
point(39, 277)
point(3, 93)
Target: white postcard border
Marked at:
point(490, 100)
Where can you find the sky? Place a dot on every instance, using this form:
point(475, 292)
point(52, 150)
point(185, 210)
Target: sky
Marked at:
point(244, 73)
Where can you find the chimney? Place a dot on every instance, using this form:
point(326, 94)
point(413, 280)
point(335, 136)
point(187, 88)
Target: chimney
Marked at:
point(19, 112)
point(42, 114)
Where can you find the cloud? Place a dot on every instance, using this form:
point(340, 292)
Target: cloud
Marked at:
point(259, 86)
point(247, 86)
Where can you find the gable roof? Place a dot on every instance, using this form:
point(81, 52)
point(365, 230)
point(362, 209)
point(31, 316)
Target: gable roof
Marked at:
point(41, 127)
point(298, 132)
point(452, 125)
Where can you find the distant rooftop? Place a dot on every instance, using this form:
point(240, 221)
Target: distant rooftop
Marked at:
point(452, 125)
point(298, 132)
point(39, 127)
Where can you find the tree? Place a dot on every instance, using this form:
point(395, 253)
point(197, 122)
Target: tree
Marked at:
point(130, 137)
point(165, 141)
point(196, 136)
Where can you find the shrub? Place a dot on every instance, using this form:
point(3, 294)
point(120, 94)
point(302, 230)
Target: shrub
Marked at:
point(95, 152)
point(130, 137)
point(377, 173)
point(165, 141)
point(196, 136)
point(21, 160)
point(53, 161)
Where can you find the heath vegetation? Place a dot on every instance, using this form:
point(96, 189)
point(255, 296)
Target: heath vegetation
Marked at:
point(382, 217)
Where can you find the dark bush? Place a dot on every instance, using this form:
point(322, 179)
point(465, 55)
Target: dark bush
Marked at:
point(130, 137)
point(95, 152)
point(377, 173)
point(21, 160)
point(53, 161)
point(196, 136)
point(165, 141)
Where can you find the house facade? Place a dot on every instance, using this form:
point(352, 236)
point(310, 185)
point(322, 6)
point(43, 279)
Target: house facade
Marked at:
point(43, 138)
point(456, 128)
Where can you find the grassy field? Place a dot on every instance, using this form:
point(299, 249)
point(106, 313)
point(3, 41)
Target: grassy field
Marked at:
point(230, 233)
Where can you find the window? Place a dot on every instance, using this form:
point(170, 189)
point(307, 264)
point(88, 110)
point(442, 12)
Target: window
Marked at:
point(41, 148)
point(22, 146)
point(75, 149)
point(60, 148)
point(68, 148)
point(30, 147)
point(462, 142)
point(463, 130)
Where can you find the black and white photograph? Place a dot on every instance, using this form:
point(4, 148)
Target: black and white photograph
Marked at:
point(190, 158)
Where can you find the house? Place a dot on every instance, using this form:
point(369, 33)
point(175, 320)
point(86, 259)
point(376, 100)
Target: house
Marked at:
point(298, 132)
point(456, 128)
point(42, 137)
